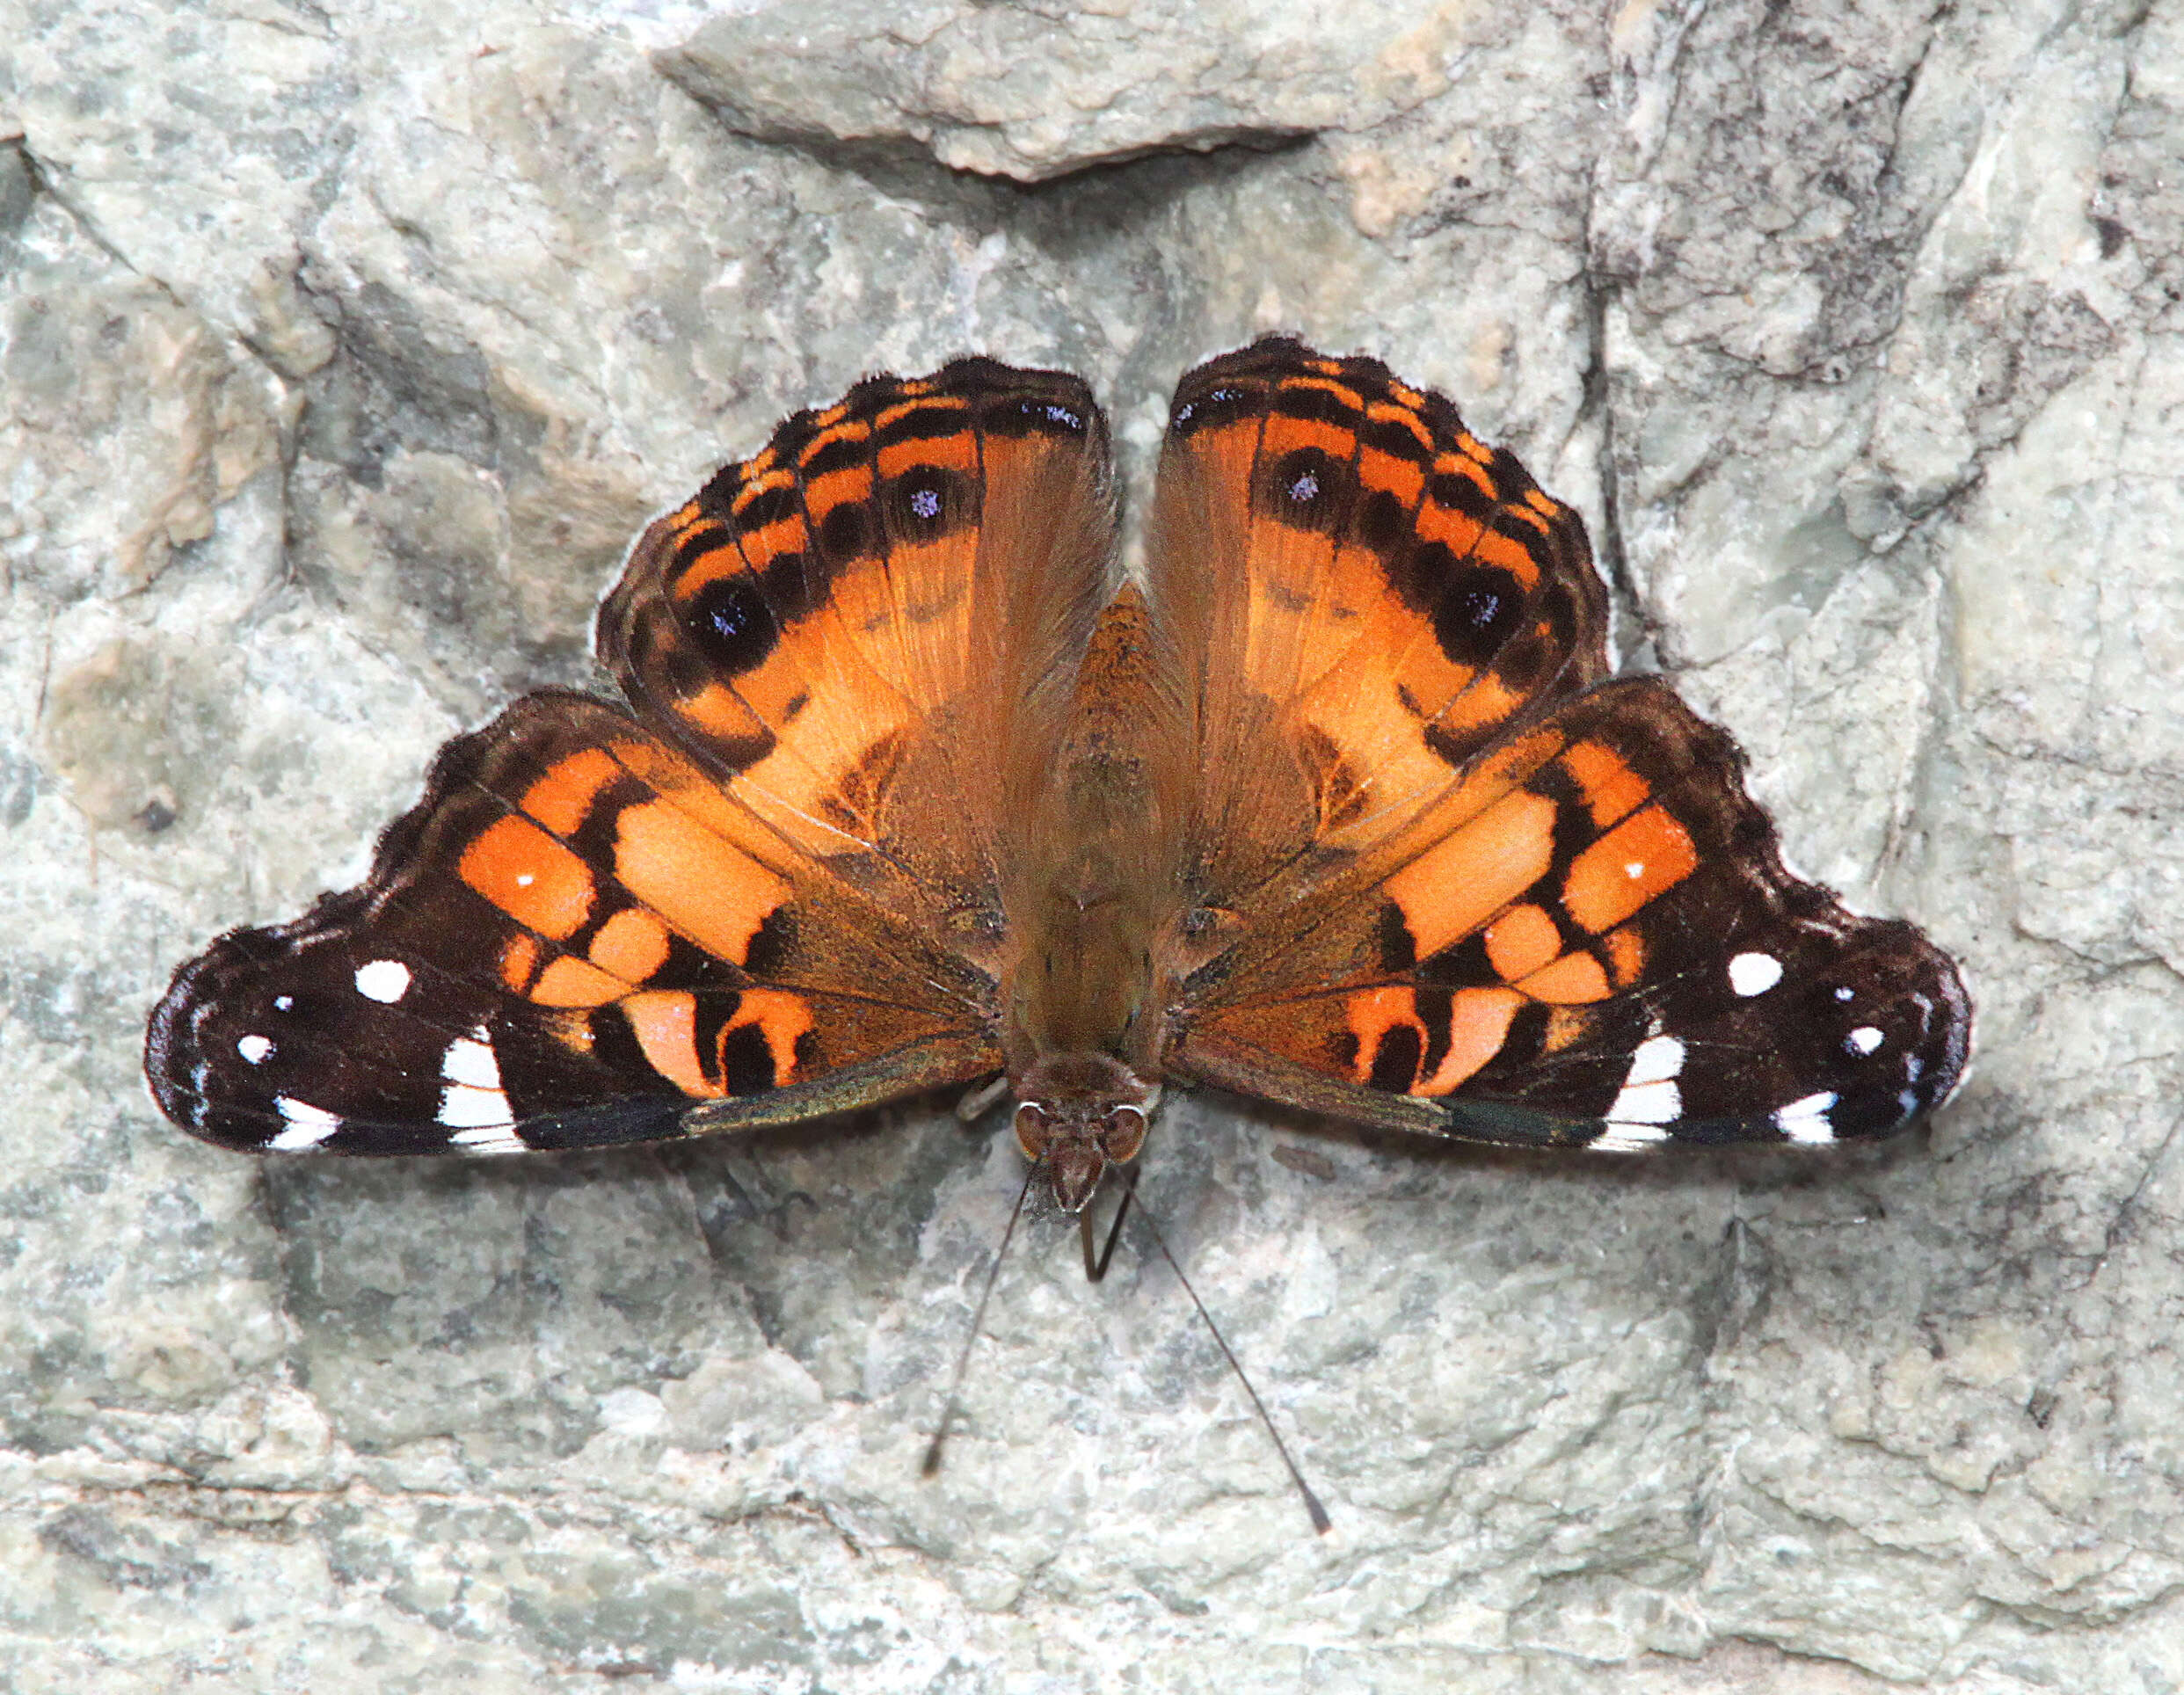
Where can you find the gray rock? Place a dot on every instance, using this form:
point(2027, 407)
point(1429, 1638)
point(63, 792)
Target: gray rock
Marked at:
point(340, 353)
point(1035, 93)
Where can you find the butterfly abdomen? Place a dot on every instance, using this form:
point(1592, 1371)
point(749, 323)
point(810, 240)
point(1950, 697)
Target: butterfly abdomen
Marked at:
point(1100, 886)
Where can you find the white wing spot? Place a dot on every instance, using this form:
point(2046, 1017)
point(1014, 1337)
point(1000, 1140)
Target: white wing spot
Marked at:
point(475, 1111)
point(308, 1125)
point(525, 879)
point(1648, 1103)
point(1648, 1095)
point(488, 1138)
point(1627, 1139)
point(1658, 1059)
point(255, 1050)
point(1634, 869)
point(283, 1002)
point(469, 1061)
point(1864, 1039)
point(1846, 994)
point(1807, 1120)
point(1754, 973)
point(473, 1105)
point(383, 980)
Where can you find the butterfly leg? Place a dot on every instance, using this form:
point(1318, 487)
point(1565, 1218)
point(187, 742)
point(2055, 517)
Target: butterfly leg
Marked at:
point(977, 1102)
point(1095, 1267)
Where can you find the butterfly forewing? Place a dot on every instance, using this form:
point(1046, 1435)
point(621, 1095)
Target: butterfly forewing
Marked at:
point(1493, 896)
point(778, 895)
point(562, 944)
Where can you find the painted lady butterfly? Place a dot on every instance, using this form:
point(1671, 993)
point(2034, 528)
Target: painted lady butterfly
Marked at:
point(1338, 808)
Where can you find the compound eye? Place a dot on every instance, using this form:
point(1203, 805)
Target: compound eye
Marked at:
point(1031, 1128)
point(1123, 1134)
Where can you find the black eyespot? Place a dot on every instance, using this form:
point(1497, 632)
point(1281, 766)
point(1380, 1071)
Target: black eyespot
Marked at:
point(1308, 488)
point(1475, 608)
point(733, 623)
point(1017, 415)
point(1479, 610)
point(927, 502)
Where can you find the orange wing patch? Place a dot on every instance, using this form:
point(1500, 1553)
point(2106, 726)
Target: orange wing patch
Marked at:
point(1476, 871)
point(1395, 1039)
point(1522, 940)
point(1649, 852)
point(762, 1043)
point(532, 878)
point(1573, 978)
point(693, 880)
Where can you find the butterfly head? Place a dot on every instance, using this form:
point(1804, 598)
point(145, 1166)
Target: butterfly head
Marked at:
point(1076, 1115)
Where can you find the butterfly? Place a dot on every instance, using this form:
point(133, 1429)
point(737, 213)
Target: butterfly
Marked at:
point(1336, 805)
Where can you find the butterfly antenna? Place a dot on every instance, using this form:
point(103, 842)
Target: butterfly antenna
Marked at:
point(932, 1463)
point(1321, 1522)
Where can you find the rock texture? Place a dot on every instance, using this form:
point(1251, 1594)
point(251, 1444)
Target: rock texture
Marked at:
point(341, 350)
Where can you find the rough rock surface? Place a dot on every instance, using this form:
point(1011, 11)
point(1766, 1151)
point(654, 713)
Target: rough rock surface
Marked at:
point(342, 349)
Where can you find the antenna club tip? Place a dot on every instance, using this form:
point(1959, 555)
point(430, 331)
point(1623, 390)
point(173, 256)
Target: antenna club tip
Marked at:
point(930, 1466)
point(1321, 1525)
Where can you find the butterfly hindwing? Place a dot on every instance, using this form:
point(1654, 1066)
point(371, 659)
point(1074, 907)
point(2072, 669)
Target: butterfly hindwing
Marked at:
point(1455, 881)
point(1370, 595)
point(868, 632)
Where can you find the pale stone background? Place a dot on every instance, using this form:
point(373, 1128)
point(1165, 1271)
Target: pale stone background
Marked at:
point(342, 348)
